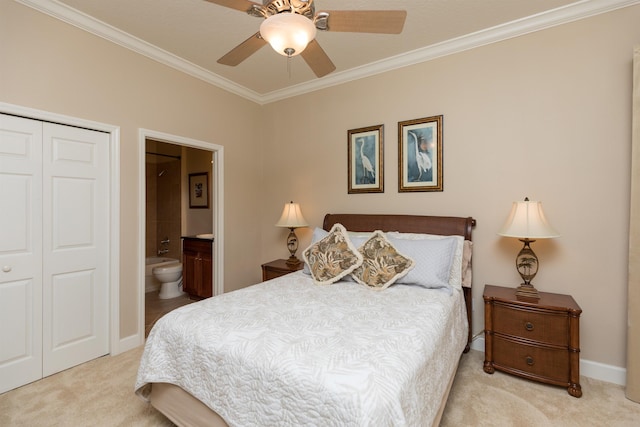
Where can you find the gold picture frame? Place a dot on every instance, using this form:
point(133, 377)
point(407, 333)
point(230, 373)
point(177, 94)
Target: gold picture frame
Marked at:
point(420, 155)
point(365, 160)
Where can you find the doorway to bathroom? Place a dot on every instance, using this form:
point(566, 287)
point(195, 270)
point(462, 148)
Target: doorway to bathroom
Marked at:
point(168, 212)
point(163, 218)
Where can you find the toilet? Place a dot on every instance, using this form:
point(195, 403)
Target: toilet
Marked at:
point(170, 278)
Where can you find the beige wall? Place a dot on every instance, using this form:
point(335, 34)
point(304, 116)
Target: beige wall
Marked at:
point(546, 115)
point(48, 65)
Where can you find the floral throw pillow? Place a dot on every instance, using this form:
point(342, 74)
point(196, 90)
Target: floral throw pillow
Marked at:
point(332, 257)
point(382, 264)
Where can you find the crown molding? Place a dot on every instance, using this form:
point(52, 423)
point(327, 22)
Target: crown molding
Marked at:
point(569, 13)
point(88, 23)
point(573, 12)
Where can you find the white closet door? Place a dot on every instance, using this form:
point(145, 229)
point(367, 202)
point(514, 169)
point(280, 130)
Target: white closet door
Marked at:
point(20, 251)
point(75, 246)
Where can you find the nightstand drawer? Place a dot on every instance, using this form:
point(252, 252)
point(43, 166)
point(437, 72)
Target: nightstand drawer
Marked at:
point(278, 268)
point(547, 327)
point(547, 362)
point(272, 274)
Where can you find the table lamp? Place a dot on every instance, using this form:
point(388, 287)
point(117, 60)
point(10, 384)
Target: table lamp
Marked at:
point(292, 218)
point(527, 223)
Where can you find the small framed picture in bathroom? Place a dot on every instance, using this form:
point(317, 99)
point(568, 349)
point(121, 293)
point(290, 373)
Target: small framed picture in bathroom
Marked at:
point(199, 190)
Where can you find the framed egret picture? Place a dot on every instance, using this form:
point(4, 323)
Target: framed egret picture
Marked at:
point(420, 155)
point(365, 163)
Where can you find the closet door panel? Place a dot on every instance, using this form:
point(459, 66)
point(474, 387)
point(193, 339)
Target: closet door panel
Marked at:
point(76, 246)
point(75, 323)
point(20, 251)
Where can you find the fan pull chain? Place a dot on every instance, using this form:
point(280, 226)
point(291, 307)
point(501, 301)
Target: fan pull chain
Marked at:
point(289, 51)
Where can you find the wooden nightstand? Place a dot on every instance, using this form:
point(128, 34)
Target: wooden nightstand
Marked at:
point(278, 268)
point(537, 340)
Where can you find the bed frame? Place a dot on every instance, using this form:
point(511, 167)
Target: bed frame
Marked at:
point(185, 410)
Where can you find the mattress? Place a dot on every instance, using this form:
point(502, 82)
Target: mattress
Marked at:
point(289, 352)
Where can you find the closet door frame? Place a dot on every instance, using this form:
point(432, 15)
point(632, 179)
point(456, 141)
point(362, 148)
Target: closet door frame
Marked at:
point(116, 344)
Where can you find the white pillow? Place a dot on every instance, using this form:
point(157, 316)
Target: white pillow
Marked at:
point(433, 260)
point(318, 233)
point(466, 264)
point(455, 277)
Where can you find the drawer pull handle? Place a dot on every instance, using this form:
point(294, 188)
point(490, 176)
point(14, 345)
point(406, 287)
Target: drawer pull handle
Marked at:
point(528, 326)
point(529, 360)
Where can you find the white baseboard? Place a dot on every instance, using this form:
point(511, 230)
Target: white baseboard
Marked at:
point(600, 371)
point(478, 344)
point(588, 368)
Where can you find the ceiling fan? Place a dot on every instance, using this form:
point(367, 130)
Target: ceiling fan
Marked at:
point(290, 28)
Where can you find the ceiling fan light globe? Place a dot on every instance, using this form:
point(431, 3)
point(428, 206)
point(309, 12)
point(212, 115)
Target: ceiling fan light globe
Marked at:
point(288, 31)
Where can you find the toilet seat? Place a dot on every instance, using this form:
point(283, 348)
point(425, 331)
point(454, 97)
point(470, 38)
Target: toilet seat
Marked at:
point(169, 268)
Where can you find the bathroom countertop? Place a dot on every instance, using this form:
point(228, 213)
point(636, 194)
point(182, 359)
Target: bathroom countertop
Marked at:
point(199, 237)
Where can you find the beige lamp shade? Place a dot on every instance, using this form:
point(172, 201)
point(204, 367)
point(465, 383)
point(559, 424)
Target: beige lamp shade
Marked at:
point(288, 33)
point(292, 217)
point(527, 221)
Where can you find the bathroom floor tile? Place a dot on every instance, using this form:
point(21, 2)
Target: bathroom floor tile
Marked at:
point(155, 308)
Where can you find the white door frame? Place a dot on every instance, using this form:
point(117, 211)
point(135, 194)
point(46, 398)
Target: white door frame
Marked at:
point(218, 211)
point(115, 346)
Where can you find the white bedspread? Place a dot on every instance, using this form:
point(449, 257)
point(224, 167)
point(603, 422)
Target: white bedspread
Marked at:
point(287, 352)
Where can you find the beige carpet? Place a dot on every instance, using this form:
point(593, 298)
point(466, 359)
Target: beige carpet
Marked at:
point(97, 393)
point(480, 399)
point(100, 393)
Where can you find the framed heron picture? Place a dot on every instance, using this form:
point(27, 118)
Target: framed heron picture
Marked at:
point(420, 155)
point(365, 163)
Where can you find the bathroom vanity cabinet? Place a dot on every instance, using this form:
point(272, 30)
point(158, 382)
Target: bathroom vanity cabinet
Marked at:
point(197, 267)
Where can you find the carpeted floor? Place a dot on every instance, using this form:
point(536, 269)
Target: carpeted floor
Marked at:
point(100, 393)
point(497, 400)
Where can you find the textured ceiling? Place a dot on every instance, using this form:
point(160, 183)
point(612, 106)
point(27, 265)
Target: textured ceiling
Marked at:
point(200, 32)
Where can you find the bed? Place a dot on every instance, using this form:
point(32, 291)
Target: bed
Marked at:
point(291, 352)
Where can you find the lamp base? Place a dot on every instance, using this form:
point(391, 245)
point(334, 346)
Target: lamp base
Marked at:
point(527, 291)
point(293, 261)
point(292, 245)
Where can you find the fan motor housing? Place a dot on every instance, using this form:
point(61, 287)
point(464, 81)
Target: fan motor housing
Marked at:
point(303, 7)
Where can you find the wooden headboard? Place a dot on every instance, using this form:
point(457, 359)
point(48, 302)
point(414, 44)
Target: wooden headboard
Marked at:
point(441, 225)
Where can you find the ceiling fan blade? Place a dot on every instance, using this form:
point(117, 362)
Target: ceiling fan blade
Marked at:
point(317, 59)
point(243, 50)
point(241, 5)
point(366, 21)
